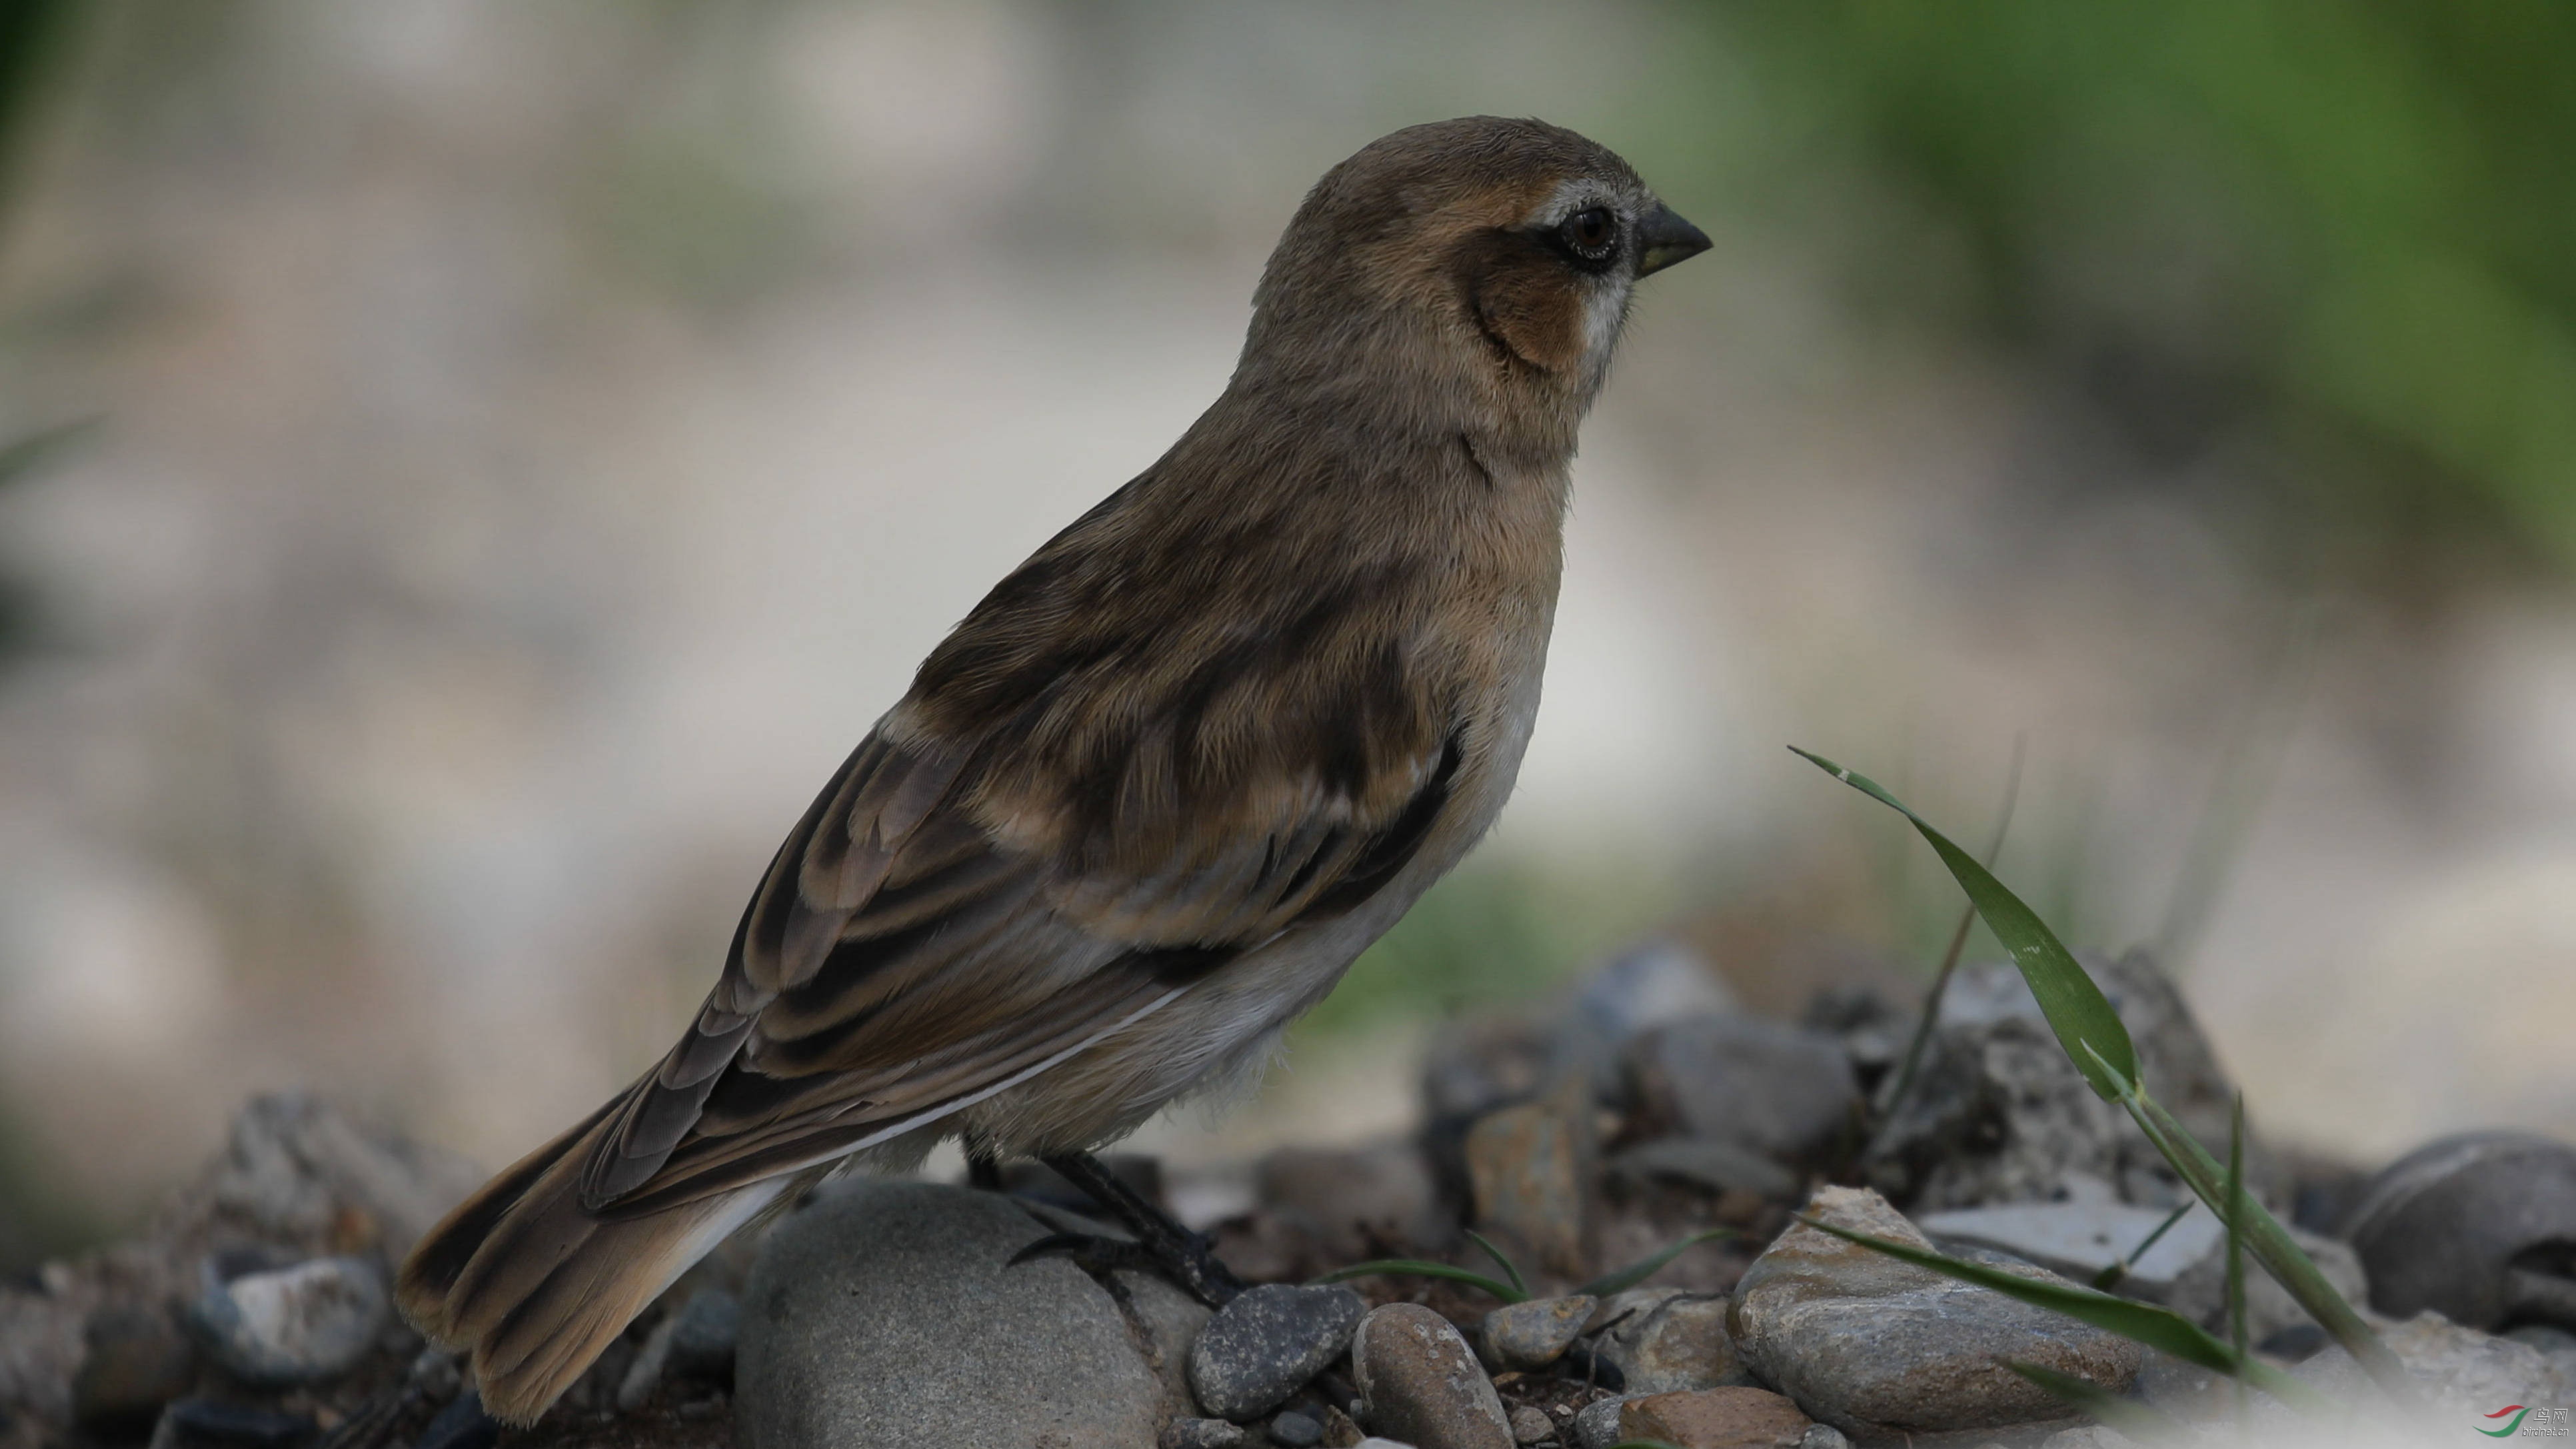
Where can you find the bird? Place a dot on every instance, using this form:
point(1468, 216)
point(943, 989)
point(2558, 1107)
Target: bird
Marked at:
point(1145, 804)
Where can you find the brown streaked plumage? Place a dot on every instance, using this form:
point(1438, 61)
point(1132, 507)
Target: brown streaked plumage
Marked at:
point(1153, 795)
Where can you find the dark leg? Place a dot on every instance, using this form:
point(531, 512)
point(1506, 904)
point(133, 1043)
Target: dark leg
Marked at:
point(983, 1164)
point(1183, 1256)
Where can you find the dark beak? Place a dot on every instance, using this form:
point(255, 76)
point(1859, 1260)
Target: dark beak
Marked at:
point(1665, 238)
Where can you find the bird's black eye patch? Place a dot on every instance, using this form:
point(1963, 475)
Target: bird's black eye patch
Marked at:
point(1589, 238)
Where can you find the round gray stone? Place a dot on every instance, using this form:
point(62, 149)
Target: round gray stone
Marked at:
point(296, 1325)
point(1267, 1343)
point(1421, 1384)
point(886, 1313)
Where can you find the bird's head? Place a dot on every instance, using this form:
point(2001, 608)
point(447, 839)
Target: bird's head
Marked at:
point(1478, 262)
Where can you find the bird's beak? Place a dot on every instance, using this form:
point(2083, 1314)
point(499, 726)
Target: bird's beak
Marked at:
point(1665, 239)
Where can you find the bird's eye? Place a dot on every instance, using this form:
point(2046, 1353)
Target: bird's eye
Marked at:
point(1592, 233)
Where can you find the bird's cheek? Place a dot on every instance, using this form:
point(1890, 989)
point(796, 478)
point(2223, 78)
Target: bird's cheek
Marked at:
point(1537, 318)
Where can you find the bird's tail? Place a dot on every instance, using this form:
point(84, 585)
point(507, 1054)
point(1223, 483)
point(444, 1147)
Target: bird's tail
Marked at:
point(536, 1287)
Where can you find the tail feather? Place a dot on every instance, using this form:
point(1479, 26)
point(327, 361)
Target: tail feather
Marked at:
point(535, 1287)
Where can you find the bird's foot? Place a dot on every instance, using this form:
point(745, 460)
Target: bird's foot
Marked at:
point(1190, 1265)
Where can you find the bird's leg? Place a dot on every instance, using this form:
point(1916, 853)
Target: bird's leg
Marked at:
point(983, 1163)
point(1162, 1245)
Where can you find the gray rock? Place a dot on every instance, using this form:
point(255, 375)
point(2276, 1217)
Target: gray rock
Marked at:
point(2466, 1227)
point(1203, 1434)
point(1824, 1436)
point(1531, 1425)
point(1880, 1348)
point(1779, 1090)
point(1710, 1166)
point(1596, 1426)
point(1530, 1336)
point(1998, 1114)
point(1267, 1343)
point(219, 1424)
point(2460, 1366)
point(1419, 1382)
point(292, 1326)
point(2186, 1269)
point(886, 1313)
point(1293, 1430)
point(1729, 1418)
point(1525, 1167)
point(1664, 1340)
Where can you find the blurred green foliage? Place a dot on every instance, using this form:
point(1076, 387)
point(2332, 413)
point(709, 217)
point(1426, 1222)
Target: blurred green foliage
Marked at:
point(2336, 236)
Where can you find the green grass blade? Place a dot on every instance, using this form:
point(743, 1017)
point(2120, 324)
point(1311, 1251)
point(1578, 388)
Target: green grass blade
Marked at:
point(2236, 1237)
point(2109, 1278)
point(2137, 1420)
point(2269, 1242)
point(2157, 1328)
point(1644, 1268)
point(1510, 1269)
point(2075, 1007)
point(1423, 1269)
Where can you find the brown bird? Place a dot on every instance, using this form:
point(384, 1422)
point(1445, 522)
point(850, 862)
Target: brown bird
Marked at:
point(1146, 803)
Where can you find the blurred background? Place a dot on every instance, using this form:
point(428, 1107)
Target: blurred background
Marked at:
point(473, 469)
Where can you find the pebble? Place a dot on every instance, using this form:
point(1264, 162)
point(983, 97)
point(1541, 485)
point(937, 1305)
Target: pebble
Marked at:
point(876, 1284)
point(1202, 1434)
point(1730, 1418)
point(1419, 1382)
point(1998, 1114)
point(212, 1422)
point(294, 1325)
point(2453, 1363)
point(1664, 1339)
point(1267, 1343)
point(1524, 1170)
point(1778, 1090)
point(1824, 1436)
point(2452, 1227)
point(1596, 1426)
point(1879, 1348)
point(1530, 1426)
point(133, 1365)
point(1293, 1430)
point(1530, 1336)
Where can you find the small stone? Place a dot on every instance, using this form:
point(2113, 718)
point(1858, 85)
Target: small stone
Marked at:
point(1596, 1425)
point(1774, 1089)
point(134, 1365)
point(1340, 1430)
point(1881, 1349)
point(1530, 1336)
point(1267, 1343)
point(1202, 1434)
point(213, 1424)
point(1731, 1418)
point(1419, 1382)
point(1663, 1339)
point(293, 1326)
point(1824, 1436)
point(2457, 1364)
point(1530, 1426)
point(1293, 1430)
point(877, 1282)
point(2468, 1228)
point(1524, 1169)
point(1710, 1166)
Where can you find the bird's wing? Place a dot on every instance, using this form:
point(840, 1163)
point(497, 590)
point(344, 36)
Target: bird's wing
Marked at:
point(933, 933)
